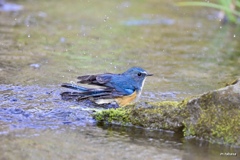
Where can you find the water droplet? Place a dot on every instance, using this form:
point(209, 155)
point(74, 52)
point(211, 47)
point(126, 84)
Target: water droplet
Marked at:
point(35, 65)
point(62, 39)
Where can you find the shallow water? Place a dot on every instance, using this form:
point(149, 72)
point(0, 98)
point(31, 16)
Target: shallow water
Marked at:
point(48, 43)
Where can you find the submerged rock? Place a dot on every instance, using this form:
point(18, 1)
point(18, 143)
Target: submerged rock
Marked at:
point(212, 116)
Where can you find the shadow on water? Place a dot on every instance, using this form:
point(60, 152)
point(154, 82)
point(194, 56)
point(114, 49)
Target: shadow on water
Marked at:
point(143, 136)
point(191, 148)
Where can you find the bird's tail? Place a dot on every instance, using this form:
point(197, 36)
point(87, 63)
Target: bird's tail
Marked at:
point(75, 87)
point(83, 93)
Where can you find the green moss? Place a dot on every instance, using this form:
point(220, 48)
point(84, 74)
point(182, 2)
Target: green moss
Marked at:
point(217, 124)
point(189, 130)
point(227, 126)
point(119, 115)
point(164, 103)
point(154, 115)
point(184, 103)
point(206, 100)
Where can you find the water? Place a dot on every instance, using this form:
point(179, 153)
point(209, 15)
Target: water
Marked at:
point(48, 43)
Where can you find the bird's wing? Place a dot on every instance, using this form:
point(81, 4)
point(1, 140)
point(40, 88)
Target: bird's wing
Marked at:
point(105, 93)
point(99, 79)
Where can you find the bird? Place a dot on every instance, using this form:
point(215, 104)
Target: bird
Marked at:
point(123, 89)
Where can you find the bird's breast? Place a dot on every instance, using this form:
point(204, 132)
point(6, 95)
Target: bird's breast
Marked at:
point(125, 100)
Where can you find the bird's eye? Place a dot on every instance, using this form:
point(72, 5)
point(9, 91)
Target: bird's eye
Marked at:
point(139, 74)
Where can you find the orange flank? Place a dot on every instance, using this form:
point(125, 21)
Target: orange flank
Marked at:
point(125, 100)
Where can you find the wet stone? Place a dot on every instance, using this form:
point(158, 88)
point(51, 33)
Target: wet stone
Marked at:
point(29, 107)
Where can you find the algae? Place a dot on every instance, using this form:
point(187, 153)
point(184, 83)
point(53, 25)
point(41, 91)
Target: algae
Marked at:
point(160, 115)
point(114, 116)
point(224, 127)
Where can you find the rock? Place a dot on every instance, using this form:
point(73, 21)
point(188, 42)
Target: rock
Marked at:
point(212, 116)
point(215, 116)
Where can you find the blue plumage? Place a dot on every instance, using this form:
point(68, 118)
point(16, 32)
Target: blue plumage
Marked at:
point(113, 86)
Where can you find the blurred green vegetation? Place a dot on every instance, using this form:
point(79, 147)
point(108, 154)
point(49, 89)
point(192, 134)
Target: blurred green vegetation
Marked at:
point(229, 9)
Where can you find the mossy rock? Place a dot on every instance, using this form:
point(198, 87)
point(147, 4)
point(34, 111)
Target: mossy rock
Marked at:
point(160, 115)
point(213, 116)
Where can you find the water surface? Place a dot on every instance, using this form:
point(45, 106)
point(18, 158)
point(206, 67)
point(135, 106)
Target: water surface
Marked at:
point(51, 42)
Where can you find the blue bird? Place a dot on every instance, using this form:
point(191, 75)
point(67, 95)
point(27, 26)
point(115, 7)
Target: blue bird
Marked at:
point(122, 88)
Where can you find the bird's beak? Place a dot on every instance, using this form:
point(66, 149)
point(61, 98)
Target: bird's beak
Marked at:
point(149, 74)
